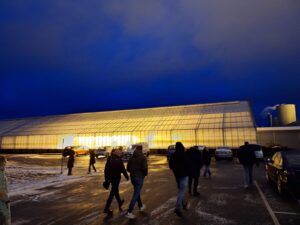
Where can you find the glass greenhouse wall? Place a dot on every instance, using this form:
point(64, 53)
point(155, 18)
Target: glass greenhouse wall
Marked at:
point(229, 123)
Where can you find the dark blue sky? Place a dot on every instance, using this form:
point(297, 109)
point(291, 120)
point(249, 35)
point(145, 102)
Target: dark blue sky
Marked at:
point(61, 57)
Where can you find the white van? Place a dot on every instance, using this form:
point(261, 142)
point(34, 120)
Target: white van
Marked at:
point(129, 152)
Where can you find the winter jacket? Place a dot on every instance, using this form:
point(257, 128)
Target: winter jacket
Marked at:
point(113, 168)
point(92, 157)
point(246, 155)
point(71, 161)
point(4, 200)
point(206, 157)
point(194, 157)
point(137, 165)
point(3, 187)
point(178, 163)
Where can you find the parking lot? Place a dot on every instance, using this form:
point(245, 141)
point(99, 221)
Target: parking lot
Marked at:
point(40, 194)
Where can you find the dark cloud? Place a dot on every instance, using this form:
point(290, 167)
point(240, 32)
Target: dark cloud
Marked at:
point(169, 51)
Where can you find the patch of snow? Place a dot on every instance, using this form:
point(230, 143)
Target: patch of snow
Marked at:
point(20, 222)
point(214, 219)
point(218, 199)
point(250, 199)
point(164, 207)
point(148, 190)
point(27, 179)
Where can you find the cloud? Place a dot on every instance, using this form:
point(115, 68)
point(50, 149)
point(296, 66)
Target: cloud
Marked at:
point(174, 35)
point(101, 45)
point(230, 32)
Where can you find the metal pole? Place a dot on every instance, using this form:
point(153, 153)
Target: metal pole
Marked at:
point(62, 164)
point(62, 157)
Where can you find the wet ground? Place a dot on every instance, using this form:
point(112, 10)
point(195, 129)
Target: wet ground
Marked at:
point(40, 194)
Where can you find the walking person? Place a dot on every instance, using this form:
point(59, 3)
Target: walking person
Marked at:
point(206, 161)
point(71, 161)
point(247, 158)
point(4, 200)
point(179, 165)
point(114, 167)
point(138, 168)
point(92, 161)
point(194, 166)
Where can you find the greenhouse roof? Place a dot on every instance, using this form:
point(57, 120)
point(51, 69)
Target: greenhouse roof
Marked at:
point(187, 117)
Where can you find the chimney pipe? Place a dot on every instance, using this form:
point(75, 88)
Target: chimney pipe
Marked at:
point(270, 119)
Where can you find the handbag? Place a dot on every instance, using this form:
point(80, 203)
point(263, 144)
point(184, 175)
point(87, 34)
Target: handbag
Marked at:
point(106, 184)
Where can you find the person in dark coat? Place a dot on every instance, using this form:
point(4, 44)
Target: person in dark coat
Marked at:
point(114, 167)
point(71, 161)
point(5, 215)
point(92, 160)
point(195, 164)
point(179, 165)
point(206, 161)
point(138, 168)
point(247, 158)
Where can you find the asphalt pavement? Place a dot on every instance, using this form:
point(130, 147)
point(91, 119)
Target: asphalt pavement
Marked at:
point(223, 198)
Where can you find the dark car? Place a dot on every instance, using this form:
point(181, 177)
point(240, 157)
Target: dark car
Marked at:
point(170, 151)
point(284, 170)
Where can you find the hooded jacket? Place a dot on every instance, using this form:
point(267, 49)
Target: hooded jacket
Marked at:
point(113, 168)
point(137, 165)
point(92, 157)
point(206, 157)
point(179, 163)
point(246, 155)
point(195, 162)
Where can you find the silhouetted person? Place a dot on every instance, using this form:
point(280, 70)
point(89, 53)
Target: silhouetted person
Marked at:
point(179, 165)
point(206, 161)
point(4, 200)
point(247, 158)
point(138, 168)
point(194, 166)
point(92, 160)
point(114, 167)
point(71, 161)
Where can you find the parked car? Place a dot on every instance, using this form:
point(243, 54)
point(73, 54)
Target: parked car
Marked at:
point(170, 151)
point(223, 152)
point(121, 147)
point(200, 147)
point(283, 169)
point(79, 149)
point(129, 152)
point(102, 152)
point(257, 151)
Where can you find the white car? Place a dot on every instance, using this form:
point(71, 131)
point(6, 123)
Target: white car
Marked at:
point(200, 147)
point(102, 152)
point(127, 154)
point(257, 151)
point(223, 152)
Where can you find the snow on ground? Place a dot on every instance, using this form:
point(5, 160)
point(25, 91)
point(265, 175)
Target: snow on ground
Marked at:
point(24, 178)
point(212, 218)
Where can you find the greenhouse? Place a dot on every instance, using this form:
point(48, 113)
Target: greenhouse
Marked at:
point(215, 124)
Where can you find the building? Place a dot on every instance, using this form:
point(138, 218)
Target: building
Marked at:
point(287, 136)
point(228, 123)
point(286, 133)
